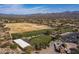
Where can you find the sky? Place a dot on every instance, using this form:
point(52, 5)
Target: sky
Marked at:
point(36, 8)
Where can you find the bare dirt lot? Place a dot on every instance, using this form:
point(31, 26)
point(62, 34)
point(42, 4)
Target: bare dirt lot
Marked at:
point(25, 27)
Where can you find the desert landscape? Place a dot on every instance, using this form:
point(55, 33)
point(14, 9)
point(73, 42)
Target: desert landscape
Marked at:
point(26, 32)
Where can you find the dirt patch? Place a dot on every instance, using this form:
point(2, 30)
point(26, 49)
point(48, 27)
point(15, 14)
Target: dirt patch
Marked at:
point(25, 27)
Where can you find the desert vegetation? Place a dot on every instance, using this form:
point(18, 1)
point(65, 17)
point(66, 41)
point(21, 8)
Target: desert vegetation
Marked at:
point(4, 32)
point(40, 28)
point(31, 33)
point(40, 42)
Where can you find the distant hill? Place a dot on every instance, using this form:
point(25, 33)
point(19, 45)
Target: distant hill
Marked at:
point(41, 18)
point(67, 13)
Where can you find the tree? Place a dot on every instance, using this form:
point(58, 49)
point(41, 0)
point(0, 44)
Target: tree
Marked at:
point(40, 42)
point(58, 37)
point(75, 30)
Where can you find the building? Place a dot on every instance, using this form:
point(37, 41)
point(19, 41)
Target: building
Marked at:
point(72, 37)
point(21, 43)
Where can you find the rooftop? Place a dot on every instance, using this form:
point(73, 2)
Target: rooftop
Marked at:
point(21, 43)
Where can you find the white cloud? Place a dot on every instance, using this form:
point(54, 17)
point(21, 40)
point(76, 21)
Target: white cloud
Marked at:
point(19, 9)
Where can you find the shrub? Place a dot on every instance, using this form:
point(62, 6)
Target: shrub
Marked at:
point(13, 46)
point(29, 34)
point(48, 32)
point(40, 42)
point(16, 35)
point(28, 49)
